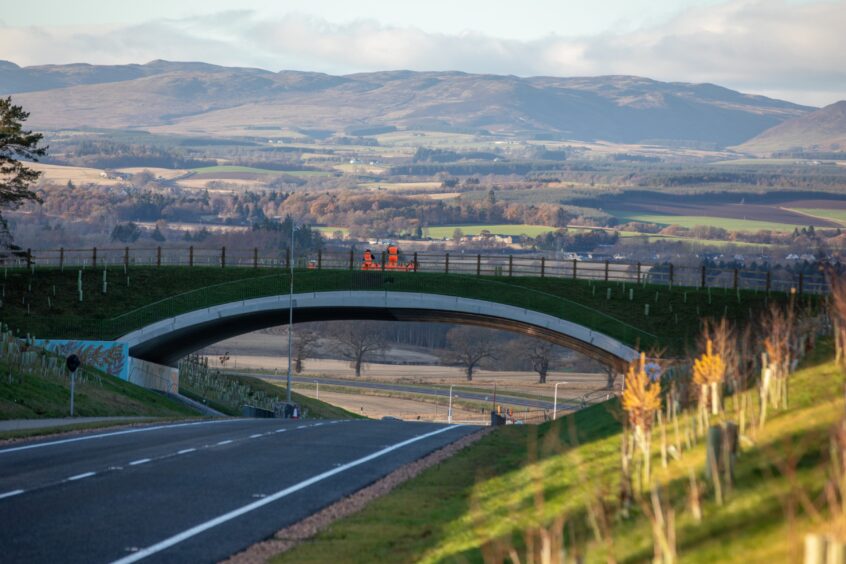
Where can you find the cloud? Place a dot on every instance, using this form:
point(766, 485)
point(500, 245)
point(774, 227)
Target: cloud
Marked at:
point(790, 49)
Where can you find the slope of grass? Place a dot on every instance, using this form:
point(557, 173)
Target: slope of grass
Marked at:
point(690, 221)
point(30, 396)
point(446, 231)
point(316, 408)
point(521, 477)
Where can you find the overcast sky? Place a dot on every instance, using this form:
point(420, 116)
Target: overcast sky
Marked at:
point(791, 49)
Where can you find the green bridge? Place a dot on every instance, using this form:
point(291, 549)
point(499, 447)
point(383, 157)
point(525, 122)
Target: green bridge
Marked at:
point(117, 301)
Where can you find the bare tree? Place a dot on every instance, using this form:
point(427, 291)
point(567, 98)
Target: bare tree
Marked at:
point(468, 348)
point(304, 345)
point(540, 354)
point(355, 344)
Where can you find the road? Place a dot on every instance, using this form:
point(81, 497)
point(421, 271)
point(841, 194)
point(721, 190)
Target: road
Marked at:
point(190, 492)
point(563, 404)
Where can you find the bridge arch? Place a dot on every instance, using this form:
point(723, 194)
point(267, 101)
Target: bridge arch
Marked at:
point(166, 341)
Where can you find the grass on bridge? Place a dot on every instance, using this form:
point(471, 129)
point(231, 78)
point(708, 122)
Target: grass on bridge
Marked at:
point(45, 302)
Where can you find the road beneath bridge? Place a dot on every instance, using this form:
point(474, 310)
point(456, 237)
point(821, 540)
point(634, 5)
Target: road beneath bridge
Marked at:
point(190, 492)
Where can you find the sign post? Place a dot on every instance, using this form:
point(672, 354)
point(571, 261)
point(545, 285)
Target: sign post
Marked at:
point(72, 363)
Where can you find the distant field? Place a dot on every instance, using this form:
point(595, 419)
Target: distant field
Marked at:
point(731, 224)
point(249, 173)
point(402, 186)
point(443, 231)
point(330, 230)
point(835, 215)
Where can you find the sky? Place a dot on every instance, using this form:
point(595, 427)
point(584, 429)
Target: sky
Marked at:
point(789, 49)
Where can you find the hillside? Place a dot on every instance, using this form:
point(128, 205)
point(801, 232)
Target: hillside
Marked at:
point(823, 130)
point(524, 486)
point(196, 98)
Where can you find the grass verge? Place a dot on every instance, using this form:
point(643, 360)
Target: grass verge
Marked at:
point(523, 477)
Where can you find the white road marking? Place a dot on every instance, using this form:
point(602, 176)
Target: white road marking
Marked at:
point(226, 442)
point(186, 450)
point(114, 434)
point(280, 430)
point(257, 435)
point(302, 426)
point(139, 461)
point(11, 493)
point(196, 530)
point(81, 476)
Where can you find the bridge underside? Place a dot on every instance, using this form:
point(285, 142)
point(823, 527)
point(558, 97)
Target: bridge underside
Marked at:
point(166, 341)
point(169, 348)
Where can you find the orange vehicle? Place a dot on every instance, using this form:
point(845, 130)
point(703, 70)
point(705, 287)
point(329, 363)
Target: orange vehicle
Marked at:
point(392, 262)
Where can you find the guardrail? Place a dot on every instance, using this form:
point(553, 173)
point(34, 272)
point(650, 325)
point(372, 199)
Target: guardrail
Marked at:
point(504, 265)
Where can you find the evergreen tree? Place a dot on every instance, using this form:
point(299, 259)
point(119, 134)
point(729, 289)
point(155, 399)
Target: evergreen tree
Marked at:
point(15, 177)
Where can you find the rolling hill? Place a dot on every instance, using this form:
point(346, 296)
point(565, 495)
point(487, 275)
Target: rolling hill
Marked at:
point(200, 98)
point(823, 130)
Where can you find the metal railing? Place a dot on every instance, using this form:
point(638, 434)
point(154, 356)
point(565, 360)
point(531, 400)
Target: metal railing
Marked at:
point(510, 266)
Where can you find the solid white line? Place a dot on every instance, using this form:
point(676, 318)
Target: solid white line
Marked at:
point(186, 450)
point(196, 530)
point(139, 461)
point(11, 493)
point(226, 442)
point(114, 434)
point(81, 476)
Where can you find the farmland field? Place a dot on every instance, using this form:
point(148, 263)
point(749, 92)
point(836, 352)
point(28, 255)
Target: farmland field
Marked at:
point(836, 215)
point(446, 231)
point(728, 223)
point(248, 172)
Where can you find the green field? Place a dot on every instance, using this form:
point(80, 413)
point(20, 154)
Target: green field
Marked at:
point(838, 216)
point(446, 231)
point(252, 170)
point(689, 221)
point(493, 496)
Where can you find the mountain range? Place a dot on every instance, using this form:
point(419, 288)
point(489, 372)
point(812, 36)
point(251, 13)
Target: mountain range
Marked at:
point(202, 99)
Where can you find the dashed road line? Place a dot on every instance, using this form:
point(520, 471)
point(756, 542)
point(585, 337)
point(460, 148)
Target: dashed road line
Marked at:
point(81, 476)
point(221, 519)
point(186, 450)
point(226, 442)
point(139, 461)
point(11, 493)
point(257, 435)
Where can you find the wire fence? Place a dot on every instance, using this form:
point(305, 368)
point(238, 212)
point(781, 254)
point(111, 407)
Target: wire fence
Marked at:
point(776, 279)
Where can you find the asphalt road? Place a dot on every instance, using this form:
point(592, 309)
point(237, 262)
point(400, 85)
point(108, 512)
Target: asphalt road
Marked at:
point(195, 492)
point(563, 404)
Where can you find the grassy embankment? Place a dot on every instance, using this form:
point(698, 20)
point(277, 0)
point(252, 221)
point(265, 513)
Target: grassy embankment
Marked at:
point(522, 477)
point(673, 319)
point(25, 395)
point(316, 409)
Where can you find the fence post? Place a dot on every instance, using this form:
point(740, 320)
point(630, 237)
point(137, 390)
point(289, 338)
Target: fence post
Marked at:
point(736, 278)
point(510, 265)
point(126, 257)
point(255, 257)
point(638, 273)
point(62, 257)
point(94, 257)
point(287, 258)
point(352, 259)
point(574, 268)
point(158, 256)
point(543, 266)
point(383, 261)
point(319, 259)
point(415, 261)
point(223, 257)
point(769, 281)
point(672, 275)
point(606, 271)
point(191, 255)
point(446, 263)
point(478, 265)
point(29, 258)
point(702, 281)
point(801, 282)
